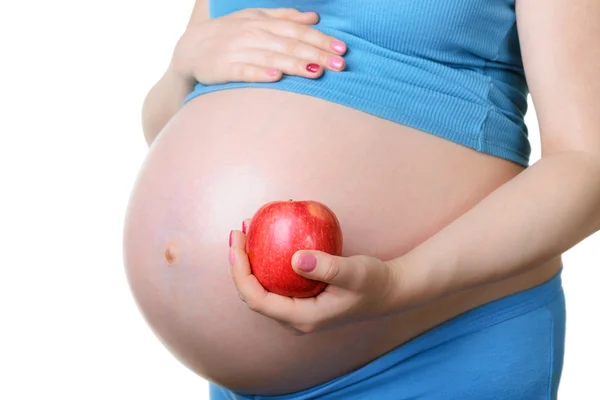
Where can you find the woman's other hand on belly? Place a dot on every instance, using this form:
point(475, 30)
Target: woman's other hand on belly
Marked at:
point(256, 45)
point(358, 288)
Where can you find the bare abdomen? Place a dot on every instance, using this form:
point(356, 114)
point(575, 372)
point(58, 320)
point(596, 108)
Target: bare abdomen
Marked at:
point(227, 153)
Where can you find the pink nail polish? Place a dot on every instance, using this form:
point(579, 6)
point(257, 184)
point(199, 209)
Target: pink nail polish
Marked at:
point(272, 72)
point(231, 257)
point(306, 262)
point(338, 47)
point(314, 68)
point(244, 227)
point(336, 62)
point(230, 237)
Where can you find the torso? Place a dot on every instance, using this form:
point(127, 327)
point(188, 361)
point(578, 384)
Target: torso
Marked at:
point(225, 154)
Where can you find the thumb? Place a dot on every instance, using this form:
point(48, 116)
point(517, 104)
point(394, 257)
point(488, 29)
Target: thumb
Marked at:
point(320, 266)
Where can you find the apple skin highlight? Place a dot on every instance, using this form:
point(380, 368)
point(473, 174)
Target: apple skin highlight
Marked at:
point(277, 231)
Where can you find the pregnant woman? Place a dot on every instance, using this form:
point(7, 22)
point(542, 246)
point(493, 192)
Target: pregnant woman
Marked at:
point(406, 118)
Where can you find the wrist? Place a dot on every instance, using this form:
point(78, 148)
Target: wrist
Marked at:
point(416, 283)
point(179, 78)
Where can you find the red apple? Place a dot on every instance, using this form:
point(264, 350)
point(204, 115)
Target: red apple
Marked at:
point(279, 229)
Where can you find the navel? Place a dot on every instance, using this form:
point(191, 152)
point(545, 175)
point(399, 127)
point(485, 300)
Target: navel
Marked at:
point(171, 254)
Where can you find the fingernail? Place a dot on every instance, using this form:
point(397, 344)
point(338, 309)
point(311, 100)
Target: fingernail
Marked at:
point(314, 68)
point(336, 62)
point(272, 72)
point(338, 47)
point(244, 227)
point(231, 257)
point(306, 262)
point(230, 238)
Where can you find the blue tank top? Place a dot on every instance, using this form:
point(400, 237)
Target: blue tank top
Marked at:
point(451, 68)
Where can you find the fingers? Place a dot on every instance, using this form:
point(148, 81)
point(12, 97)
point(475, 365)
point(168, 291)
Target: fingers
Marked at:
point(281, 62)
point(267, 66)
point(270, 43)
point(297, 316)
point(238, 239)
point(244, 72)
point(251, 291)
point(249, 288)
point(293, 39)
point(246, 225)
point(290, 329)
point(305, 34)
point(299, 51)
point(257, 45)
point(292, 14)
point(275, 55)
point(345, 272)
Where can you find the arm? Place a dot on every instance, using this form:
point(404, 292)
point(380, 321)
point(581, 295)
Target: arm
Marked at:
point(554, 204)
point(166, 96)
point(533, 218)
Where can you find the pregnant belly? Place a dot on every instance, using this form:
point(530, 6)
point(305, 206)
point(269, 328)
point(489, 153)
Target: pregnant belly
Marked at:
point(224, 155)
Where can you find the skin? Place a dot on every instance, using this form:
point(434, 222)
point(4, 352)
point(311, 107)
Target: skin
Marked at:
point(424, 241)
point(559, 196)
point(250, 45)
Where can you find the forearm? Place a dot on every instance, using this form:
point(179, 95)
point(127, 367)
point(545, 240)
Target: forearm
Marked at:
point(162, 102)
point(535, 217)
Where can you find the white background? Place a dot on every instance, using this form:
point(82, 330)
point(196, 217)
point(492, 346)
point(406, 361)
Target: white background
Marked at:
point(73, 75)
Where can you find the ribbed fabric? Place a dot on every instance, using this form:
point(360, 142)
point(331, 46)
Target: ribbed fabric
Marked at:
point(451, 68)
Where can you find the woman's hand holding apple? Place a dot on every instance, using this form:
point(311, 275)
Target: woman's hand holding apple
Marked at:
point(347, 289)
